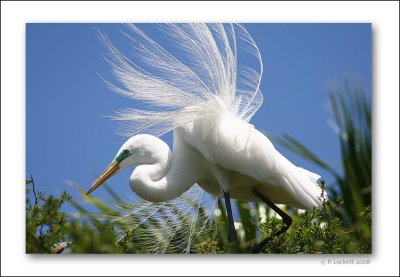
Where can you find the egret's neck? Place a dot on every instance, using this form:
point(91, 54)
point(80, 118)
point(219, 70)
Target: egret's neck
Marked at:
point(146, 179)
point(161, 177)
point(157, 168)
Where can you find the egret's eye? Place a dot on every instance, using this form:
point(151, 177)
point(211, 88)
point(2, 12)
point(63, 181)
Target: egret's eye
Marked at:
point(122, 155)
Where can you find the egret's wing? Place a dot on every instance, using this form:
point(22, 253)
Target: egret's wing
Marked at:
point(237, 146)
point(207, 69)
point(175, 226)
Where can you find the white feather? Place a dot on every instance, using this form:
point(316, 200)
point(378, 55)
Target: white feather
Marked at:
point(207, 78)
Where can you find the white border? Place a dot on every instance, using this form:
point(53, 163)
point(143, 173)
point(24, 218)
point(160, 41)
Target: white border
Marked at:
point(385, 19)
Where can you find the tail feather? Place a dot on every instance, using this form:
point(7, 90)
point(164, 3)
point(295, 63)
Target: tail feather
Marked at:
point(302, 188)
point(313, 176)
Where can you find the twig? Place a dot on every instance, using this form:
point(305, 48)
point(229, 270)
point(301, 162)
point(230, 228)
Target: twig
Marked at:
point(33, 188)
point(39, 194)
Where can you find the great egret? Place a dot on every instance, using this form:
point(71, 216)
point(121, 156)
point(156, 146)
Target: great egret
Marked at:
point(207, 97)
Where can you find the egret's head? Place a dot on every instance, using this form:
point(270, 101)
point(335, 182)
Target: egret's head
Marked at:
point(139, 149)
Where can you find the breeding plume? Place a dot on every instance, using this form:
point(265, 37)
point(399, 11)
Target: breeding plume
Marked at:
point(205, 90)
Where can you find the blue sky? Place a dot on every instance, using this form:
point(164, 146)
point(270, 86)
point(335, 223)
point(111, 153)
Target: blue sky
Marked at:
point(69, 136)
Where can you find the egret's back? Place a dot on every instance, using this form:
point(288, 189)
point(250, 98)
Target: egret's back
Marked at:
point(237, 146)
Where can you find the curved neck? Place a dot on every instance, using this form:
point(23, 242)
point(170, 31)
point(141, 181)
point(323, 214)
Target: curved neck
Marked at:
point(164, 177)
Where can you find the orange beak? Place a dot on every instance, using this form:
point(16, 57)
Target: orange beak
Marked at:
point(110, 171)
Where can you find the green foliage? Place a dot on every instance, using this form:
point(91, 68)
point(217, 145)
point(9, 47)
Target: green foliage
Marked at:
point(315, 231)
point(93, 237)
point(164, 227)
point(45, 223)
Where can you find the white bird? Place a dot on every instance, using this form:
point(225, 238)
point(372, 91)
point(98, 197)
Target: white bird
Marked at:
point(207, 97)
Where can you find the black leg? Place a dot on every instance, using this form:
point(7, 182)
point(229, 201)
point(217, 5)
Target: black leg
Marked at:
point(231, 225)
point(286, 219)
